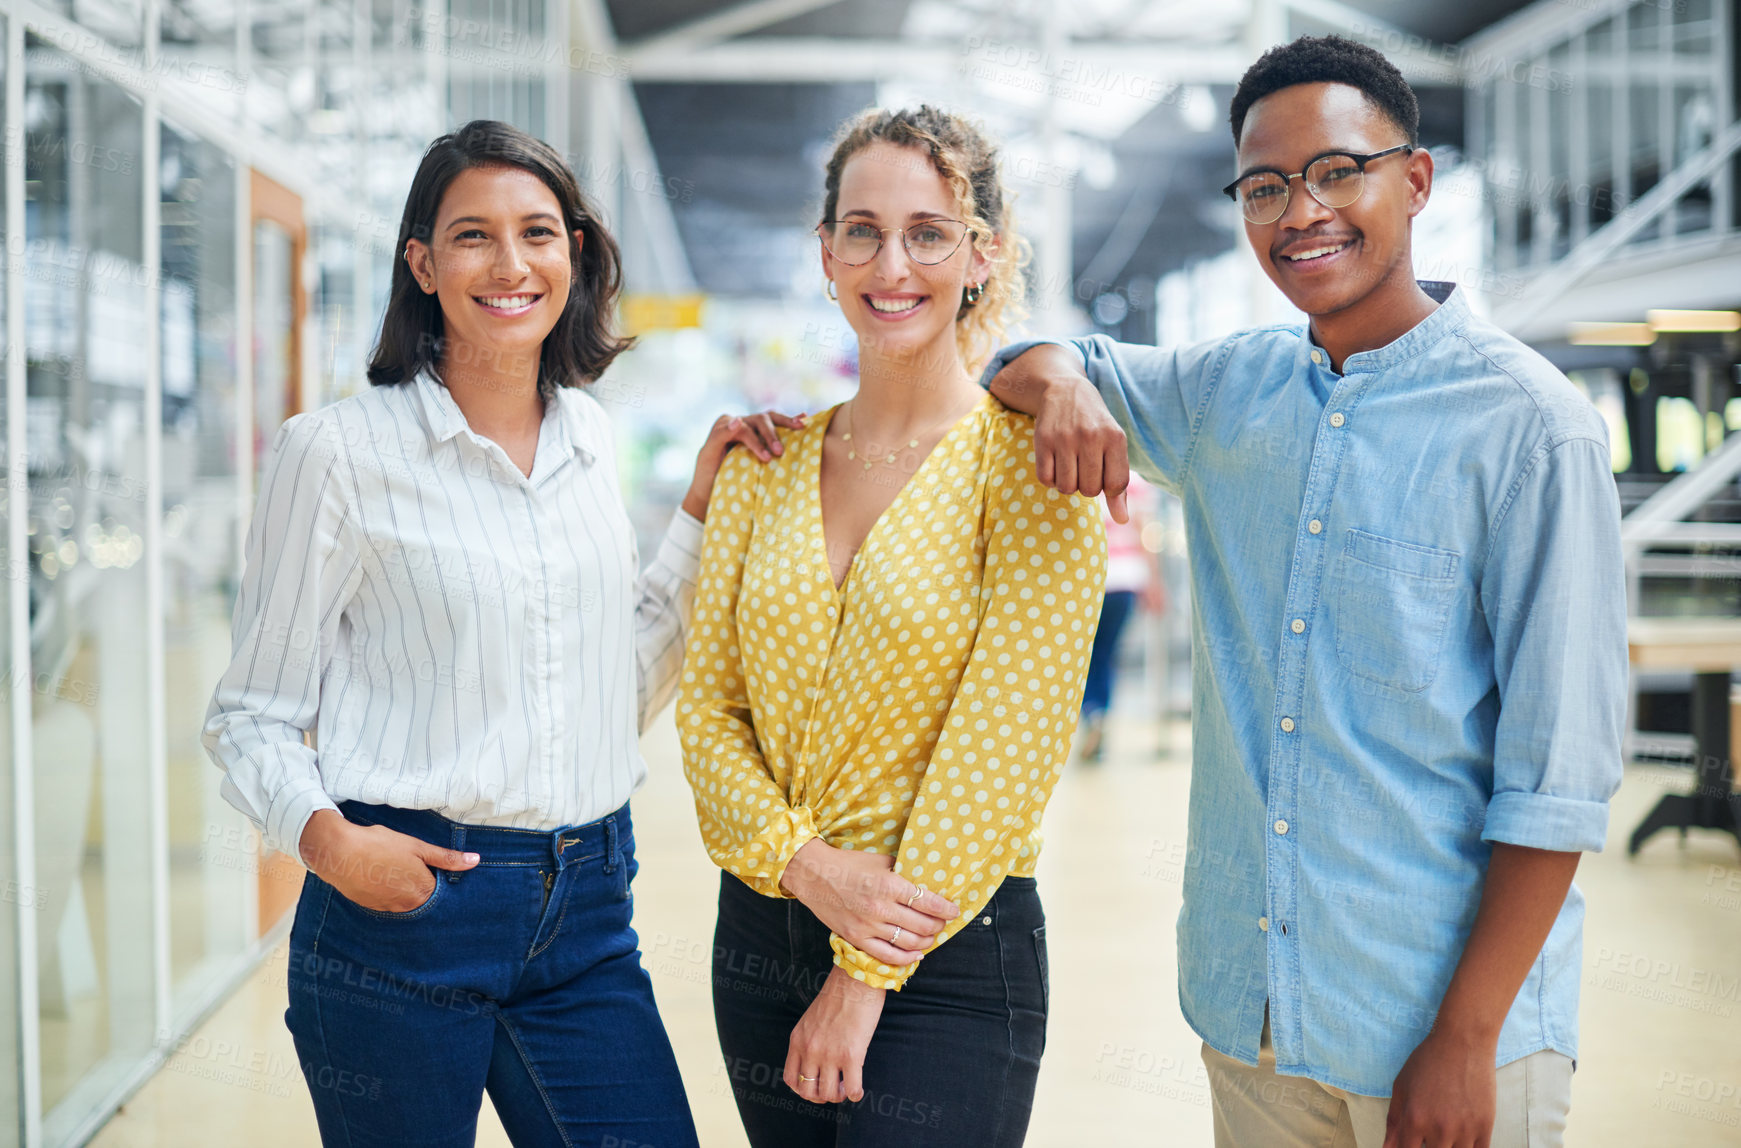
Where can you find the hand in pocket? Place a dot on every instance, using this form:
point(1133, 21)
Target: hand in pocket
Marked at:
point(375, 867)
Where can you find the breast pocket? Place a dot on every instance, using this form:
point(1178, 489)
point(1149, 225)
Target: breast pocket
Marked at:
point(1392, 600)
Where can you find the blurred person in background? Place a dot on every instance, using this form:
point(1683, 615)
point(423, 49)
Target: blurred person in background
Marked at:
point(1133, 578)
point(892, 628)
point(1409, 654)
point(442, 583)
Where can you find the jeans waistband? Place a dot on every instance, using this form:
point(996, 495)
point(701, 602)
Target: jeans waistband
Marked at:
point(498, 846)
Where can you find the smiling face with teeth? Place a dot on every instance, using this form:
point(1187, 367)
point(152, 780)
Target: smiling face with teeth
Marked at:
point(1349, 268)
point(501, 261)
point(902, 311)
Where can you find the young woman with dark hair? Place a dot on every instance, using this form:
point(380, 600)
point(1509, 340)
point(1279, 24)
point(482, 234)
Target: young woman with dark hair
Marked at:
point(442, 584)
point(892, 629)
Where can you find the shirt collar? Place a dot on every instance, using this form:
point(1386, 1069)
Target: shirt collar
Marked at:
point(1451, 316)
point(566, 420)
point(439, 410)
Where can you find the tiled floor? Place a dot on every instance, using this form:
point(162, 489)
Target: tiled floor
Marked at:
point(1661, 1061)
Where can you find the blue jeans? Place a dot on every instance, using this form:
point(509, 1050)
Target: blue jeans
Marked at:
point(521, 977)
point(1115, 611)
point(956, 1053)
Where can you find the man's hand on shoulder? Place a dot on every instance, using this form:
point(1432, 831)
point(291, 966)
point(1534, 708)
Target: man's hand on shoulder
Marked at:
point(1078, 446)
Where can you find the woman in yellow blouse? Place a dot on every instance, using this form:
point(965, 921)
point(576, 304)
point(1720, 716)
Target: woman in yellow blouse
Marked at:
point(892, 627)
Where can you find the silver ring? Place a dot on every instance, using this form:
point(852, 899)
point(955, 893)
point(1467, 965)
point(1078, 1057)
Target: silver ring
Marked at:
point(894, 939)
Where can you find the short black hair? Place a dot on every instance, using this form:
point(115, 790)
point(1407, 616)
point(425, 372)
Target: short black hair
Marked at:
point(583, 342)
point(1329, 60)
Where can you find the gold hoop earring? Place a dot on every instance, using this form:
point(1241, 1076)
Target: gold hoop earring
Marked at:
point(971, 296)
point(828, 290)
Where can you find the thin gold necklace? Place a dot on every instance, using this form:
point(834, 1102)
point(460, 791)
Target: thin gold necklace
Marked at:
point(888, 457)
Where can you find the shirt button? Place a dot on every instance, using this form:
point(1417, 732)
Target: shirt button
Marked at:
point(1315, 526)
point(1281, 828)
point(1287, 725)
point(1337, 420)
point(1317, 356)
point(1299, 627)
point(1263, 923)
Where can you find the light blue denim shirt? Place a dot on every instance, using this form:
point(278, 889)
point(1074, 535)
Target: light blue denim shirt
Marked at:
point(1409, 642)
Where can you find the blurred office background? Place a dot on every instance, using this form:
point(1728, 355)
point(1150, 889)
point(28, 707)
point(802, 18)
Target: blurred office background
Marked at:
point(200, 201)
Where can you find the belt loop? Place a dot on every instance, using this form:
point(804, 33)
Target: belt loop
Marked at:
point(458, 845)
point(611, 844)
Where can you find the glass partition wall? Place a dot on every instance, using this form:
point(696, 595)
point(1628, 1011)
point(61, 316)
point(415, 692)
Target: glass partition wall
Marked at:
point(1580, 119)
point(86, 311)
point(199, 216)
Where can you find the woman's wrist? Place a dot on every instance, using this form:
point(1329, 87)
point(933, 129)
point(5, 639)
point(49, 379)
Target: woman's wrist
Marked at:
point(801, 872)
point(695, 504)
point(324, 840)
point(849, 988)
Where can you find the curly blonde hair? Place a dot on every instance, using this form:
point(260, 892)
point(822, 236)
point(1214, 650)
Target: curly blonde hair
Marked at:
point(968, 162)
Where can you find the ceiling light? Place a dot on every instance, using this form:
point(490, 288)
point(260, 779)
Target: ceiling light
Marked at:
point(1670, 320)
point(1611, 335)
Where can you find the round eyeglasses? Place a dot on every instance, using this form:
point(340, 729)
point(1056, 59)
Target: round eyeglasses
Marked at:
point(1334, 179)
point(855, 242)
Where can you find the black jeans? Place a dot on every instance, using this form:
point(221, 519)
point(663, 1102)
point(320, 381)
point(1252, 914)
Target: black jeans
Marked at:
point(955, 1056)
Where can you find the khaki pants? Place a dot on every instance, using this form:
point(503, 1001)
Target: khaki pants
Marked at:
point(1257, 1108)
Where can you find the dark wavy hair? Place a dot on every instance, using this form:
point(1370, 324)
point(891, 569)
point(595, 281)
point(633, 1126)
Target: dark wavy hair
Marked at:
point(583, 342)
point(1329, 60)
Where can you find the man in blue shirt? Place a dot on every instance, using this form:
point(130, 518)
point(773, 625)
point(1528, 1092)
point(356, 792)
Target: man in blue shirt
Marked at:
point(1409, 650)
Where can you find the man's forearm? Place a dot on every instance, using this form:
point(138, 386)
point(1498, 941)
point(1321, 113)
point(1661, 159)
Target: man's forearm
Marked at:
point(1022, 384)
point(1078, 445)
point(1520, 901)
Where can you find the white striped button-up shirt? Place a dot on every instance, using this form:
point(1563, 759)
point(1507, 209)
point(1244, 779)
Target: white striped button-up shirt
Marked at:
point(463, 638)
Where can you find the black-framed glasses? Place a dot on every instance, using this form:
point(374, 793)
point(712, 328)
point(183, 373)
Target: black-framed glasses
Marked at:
point(856, 242)
point(1335, 179)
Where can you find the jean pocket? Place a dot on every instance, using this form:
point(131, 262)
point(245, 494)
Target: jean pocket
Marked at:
point(1392, 600)
point(408, 914)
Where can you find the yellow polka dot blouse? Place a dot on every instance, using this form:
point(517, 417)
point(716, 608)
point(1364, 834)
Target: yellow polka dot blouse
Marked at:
point(924, 709)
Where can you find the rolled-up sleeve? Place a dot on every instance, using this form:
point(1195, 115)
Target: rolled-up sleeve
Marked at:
point(1554, 592)
point(304, 562)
